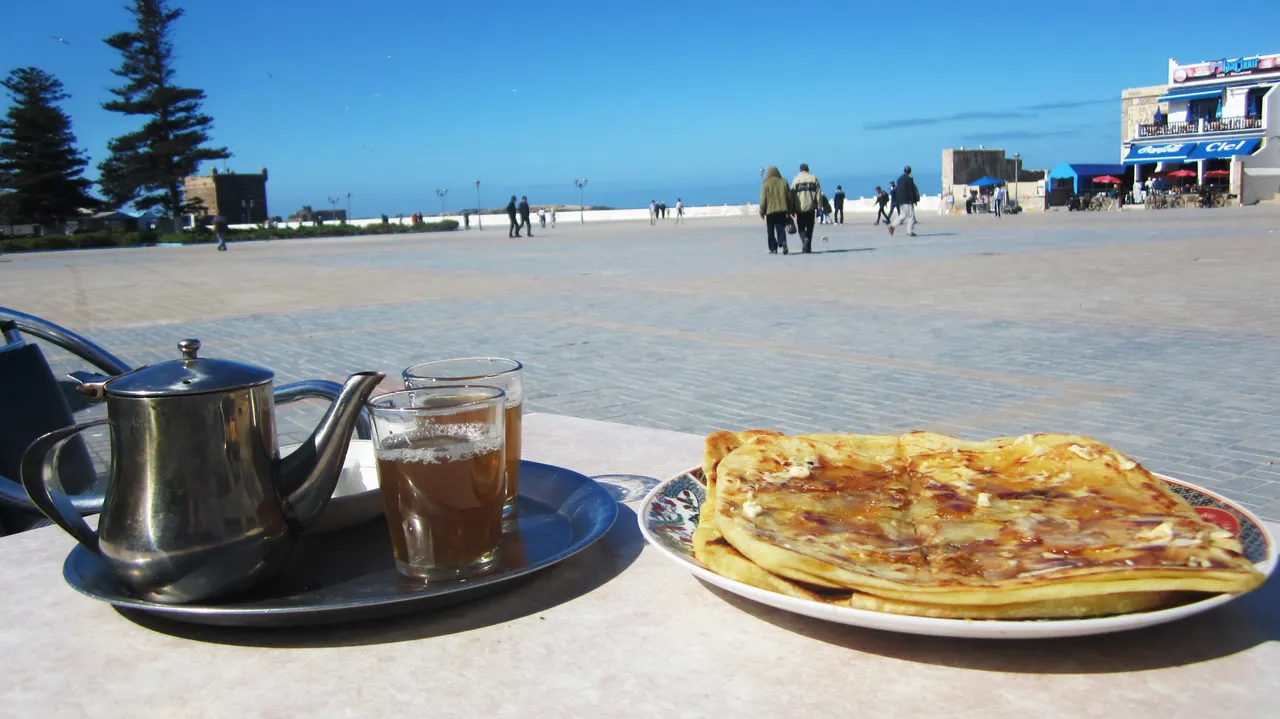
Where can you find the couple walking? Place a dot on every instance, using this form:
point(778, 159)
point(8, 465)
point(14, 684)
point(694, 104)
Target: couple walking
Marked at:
point(780, 202)
point(523, 210)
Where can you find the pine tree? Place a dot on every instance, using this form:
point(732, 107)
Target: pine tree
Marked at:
point(146, 167)
point(39, 165)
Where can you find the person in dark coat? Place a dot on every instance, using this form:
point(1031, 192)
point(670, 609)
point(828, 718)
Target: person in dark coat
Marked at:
point(838, 202)
point(882, 199)
point(905, 196)
point(220, 226)
point(524, 217)
point(893, 200)
point(514, 230)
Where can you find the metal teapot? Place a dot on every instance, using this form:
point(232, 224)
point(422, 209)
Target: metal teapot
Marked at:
point(199, 504)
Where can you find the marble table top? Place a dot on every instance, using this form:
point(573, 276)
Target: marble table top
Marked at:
point(615, 631)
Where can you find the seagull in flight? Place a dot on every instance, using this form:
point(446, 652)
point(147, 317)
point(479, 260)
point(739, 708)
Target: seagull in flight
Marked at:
point(270, 76)
point(61, 40)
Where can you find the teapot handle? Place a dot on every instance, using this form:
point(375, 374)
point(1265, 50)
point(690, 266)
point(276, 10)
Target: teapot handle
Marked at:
point(55, 505)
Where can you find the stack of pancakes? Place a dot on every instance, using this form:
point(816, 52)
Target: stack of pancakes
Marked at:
point(1039, 526)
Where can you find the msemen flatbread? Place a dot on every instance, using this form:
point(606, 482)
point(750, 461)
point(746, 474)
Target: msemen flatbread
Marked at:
point(1045, 525)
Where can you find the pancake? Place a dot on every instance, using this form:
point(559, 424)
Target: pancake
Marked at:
point(720, 557)
point(1044, 525)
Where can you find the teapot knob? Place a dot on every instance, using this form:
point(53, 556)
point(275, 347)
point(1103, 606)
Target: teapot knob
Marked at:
point(188, 348)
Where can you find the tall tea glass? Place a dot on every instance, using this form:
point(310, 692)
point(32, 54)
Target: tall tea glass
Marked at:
point(441, 465)
point(506, 374)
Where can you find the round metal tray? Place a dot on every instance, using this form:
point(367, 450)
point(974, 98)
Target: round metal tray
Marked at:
point(350, 575)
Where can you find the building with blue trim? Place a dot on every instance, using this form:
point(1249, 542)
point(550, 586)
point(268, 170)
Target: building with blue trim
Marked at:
point(1220, 117)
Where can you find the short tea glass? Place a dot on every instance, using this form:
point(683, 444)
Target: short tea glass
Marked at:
point(441, 466)
point(505, 374)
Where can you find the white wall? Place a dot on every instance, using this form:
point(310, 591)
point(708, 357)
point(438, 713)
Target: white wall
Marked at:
point(1235, 104)
point(928, 203)
point(1260, 172)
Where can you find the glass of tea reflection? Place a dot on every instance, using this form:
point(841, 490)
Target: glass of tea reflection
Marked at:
point(505, 374)
point(441, 462)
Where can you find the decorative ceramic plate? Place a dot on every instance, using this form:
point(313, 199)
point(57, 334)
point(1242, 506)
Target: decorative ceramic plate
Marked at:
point(669, 515)
point(343, 576)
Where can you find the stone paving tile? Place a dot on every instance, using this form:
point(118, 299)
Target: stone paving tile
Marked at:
point(606, 334)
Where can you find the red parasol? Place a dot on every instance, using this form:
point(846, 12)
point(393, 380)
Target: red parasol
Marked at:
point(1218, 173)
point(1182, 173)
point(1108, 179)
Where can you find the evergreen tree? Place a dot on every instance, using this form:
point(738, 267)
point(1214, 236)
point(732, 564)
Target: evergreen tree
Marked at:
point(146, 167)
point(40, 169)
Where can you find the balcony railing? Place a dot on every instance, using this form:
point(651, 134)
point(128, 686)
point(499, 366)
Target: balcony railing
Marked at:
point(1225, 124)
point(1232, 123)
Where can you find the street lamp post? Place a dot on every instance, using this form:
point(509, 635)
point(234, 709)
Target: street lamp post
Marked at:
point(582, 206)
point(1017, 170)
point(349, 207)
point(441, 193)
point(478, 213)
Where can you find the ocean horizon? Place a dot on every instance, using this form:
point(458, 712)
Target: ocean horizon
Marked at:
point(625, 194)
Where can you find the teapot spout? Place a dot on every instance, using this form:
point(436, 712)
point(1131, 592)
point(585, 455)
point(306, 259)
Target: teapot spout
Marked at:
point(308, 476)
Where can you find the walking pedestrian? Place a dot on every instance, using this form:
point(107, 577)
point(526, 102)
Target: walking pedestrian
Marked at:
point(805, 191)
point(553, 218)
point(882, 199)
point(679, 210)
point(219, 225)
point(514, 230)
point(542, 217)
point(775, 209)
point(466, 220)
point(906, 195)
point(997, 198)
point(653, 212)
point(893, 200)
point(662, 207)
point(824, 210)
point(524, 216)
point(838, 202)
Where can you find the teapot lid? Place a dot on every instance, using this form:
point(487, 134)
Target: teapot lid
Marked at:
point(189, 375)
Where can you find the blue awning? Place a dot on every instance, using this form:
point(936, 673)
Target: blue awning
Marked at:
point(1223, 148)
point(1159, 152)
point(1190, 94)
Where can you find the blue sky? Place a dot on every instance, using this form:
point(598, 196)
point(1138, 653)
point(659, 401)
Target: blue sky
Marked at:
point(391, 99)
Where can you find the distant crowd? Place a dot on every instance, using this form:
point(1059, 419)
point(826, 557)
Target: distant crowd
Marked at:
point(658, 211)
point(790, 209)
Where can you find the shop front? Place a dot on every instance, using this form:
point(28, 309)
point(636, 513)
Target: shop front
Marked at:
point(1214, 119)
point(1208, 160)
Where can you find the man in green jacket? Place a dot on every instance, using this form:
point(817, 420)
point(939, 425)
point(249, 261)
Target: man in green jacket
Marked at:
point(775, 208)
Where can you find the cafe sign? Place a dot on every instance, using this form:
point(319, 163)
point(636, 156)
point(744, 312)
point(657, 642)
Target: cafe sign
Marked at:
point(1158, 152)
point(1216, 69)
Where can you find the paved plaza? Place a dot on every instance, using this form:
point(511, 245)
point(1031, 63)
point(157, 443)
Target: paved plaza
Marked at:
point(1158, 332)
